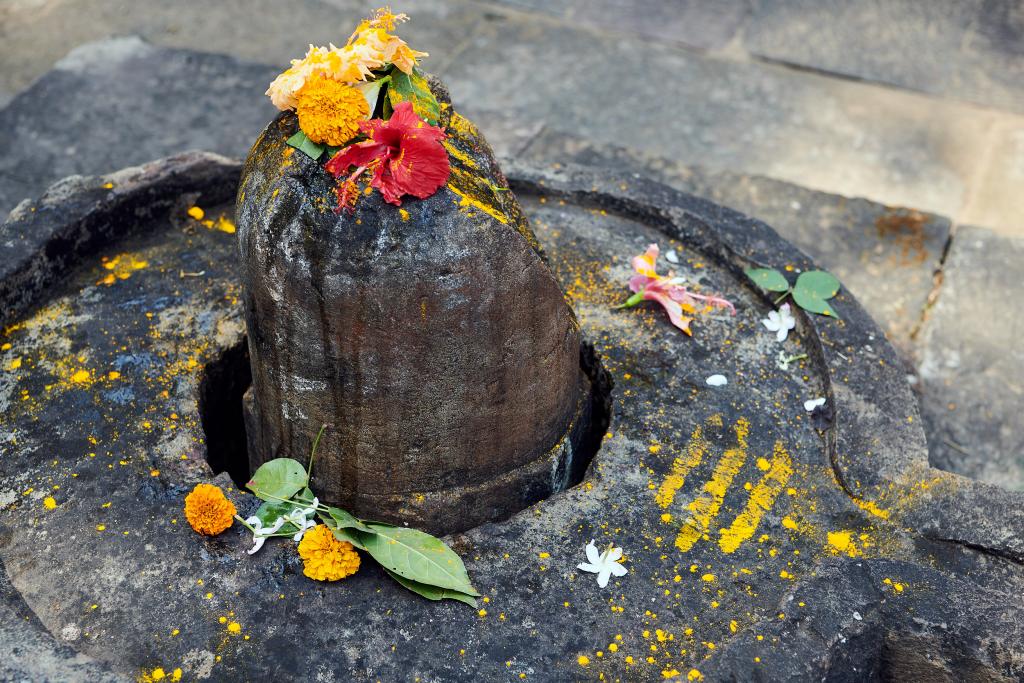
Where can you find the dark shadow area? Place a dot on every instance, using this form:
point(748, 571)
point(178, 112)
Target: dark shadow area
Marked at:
point(600, 412)
point(224, 382)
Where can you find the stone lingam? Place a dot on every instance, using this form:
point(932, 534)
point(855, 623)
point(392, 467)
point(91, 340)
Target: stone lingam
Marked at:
point(432, 338)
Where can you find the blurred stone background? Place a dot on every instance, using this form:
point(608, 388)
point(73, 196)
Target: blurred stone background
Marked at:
point(883, 137)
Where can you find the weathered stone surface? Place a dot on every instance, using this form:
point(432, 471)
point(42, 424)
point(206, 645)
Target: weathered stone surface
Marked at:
point(433, 339)
point(887, 256)
point(124, 102)
point(826, 134)
point(32, 259)
point(861, 561)
point(972, 361)
point(37, 33)
point(967, 50)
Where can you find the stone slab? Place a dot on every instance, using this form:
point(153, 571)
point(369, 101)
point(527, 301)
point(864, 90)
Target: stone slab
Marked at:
point(35, 34)
point(962, 49)
point(972, 361)
point(887, 256)
point(827, 134)
point(123, 102)
point(760, 542)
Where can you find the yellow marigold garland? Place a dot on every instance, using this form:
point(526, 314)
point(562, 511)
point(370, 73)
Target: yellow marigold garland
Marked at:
point(324, 557)
point(329, 111)
point(207, 510)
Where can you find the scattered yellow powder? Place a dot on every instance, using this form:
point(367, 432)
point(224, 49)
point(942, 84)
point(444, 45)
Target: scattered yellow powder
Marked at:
point(49, 503)
point(234, 627)
point(583, 660)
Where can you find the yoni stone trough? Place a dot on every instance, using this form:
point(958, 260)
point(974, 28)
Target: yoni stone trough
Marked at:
point(761, 543)
point(433, 339)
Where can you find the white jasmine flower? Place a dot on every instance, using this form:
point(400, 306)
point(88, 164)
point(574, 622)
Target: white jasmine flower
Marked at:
point(671, 256)
point(300, 517)
point(809, 406)
point(780, 322)
point(603, 564)
point(259, 534)
point(716, 381)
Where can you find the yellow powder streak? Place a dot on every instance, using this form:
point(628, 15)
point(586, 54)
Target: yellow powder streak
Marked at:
point(467, 200)
point(871, 508)
point(681, 466)
point(762, 497)
point(706, 507)
point(459, 154)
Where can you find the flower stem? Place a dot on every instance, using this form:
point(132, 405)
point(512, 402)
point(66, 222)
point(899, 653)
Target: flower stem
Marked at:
point(316, 442)
point(784, 295)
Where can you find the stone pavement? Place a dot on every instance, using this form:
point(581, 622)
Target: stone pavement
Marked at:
point(708, 84)
point(704, 96)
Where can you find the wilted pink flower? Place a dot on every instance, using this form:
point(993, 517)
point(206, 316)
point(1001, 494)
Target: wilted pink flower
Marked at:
point(667, 290)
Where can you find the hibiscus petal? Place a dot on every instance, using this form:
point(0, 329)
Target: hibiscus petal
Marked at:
point(674, 310)
point(421, 167)
point(359, 154)
point(645, 262)
point(638, 283)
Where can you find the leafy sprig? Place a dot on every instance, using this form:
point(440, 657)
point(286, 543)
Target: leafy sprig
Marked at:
point(811, 291)
point(418, 561)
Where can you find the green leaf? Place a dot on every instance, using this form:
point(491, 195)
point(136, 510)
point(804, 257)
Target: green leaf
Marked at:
point(432, 592)
point(371, 91)
point(813, 288)
point(351, 535)
point(269, 512)
point(768, 278)
point(278, 478)
point(344, 520)
point(301, 142)
point(418, 556)
point(414, 89)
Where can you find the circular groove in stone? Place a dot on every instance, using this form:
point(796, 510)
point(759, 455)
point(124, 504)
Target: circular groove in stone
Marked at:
point(132, 435)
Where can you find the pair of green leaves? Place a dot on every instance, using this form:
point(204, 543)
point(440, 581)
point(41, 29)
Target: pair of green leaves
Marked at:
point(811, 291)
point(416, 560)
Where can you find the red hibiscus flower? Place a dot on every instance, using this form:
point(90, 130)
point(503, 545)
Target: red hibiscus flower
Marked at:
point(404, 154)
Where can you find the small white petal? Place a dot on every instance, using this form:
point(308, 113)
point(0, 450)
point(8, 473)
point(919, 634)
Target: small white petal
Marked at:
point(593, 554)
point(671, 256)
point(618, 569)
point(257, 543)
point(782, 334)
point(592, 568)
point(602, 578)
point(613, 555)
point(716, 381)
point(809, 406)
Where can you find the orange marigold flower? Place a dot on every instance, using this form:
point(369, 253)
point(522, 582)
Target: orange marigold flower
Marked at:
point(329, 111)
point(325, 558)
point(207, 510)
